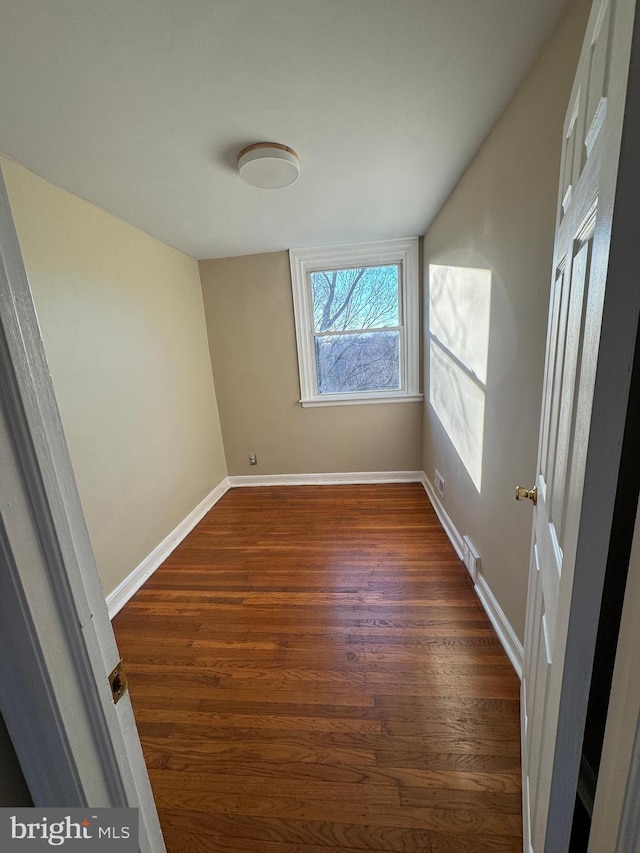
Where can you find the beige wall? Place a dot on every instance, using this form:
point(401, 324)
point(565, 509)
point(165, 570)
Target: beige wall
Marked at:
point(124, 333)
point(501, 217)
point(249, 309)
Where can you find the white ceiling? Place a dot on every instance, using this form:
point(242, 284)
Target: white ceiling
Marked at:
point(141, 106)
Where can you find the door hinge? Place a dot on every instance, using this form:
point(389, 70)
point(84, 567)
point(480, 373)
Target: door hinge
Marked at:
point(118, 682)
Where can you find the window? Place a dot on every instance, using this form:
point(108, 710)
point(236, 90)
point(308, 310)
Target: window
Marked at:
point(356, 314)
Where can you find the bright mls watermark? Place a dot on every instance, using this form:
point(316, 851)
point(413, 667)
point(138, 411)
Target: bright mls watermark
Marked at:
point(82, 829)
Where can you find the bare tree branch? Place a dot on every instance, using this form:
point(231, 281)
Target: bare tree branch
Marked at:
point(326, 311)
point(347, 299)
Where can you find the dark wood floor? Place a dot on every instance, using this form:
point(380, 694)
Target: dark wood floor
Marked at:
point(312, 672)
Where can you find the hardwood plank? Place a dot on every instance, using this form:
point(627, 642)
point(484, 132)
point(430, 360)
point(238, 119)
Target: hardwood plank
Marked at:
point(445, 798)
point(367, 815)
point(312, 672)
point(220, 703)
point(312, 694)
point(448, 843)
point(256, 786)
point(316, 835)
point(440, 775)
point(280, 723)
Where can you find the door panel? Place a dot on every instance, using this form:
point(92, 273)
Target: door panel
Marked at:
point(564, 587)
point(598, 77)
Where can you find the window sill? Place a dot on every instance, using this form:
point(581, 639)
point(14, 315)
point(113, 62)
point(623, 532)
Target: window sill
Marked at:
point(359, 401)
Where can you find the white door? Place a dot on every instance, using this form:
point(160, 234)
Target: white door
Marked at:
point(590, 341)
point(76, 746)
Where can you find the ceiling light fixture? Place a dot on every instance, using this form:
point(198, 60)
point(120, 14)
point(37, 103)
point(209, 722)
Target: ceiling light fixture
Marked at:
point(268, 165)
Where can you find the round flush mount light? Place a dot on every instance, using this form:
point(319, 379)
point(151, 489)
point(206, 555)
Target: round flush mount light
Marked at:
point(268, 165)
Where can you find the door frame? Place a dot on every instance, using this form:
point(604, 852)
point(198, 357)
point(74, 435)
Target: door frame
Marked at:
point(74, 745)
point(616, 814)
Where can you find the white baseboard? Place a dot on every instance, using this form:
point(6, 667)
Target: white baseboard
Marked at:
point(501, 625)
point(131, 584)
point(352, 478)
point(449, 527)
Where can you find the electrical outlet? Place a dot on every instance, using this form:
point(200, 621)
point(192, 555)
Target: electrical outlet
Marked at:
point(253, 459)
point(440, 484)
point(471, 558)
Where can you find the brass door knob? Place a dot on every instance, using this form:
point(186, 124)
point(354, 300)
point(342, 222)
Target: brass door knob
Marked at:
point(527, 494)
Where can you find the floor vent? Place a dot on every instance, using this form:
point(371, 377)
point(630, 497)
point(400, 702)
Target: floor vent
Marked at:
point(471, 558)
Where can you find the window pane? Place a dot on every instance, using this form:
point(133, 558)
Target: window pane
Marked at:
point(365, 361)
point(360, 298)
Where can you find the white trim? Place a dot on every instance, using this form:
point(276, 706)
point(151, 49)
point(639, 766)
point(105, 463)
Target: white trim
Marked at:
point(117, 599)
point(449, 527)
point(526, 796)
point(353, 478)
point(502, 626)
point(358, 400)
point(403, 252)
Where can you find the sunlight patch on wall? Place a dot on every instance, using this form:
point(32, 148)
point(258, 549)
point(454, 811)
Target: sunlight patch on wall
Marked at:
point(459, 309)
point(459, 320)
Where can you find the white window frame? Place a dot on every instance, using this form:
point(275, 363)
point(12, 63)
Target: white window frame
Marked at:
point(404, 254)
